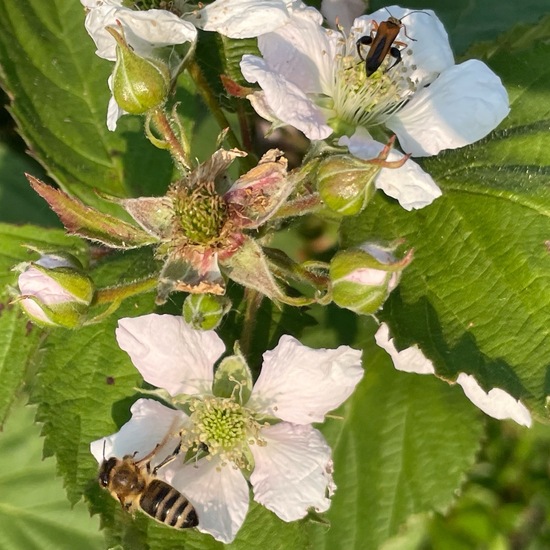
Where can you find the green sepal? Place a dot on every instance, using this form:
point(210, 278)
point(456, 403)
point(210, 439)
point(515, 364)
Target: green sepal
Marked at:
point(346, 183)
point(139, 84)
point(233, 378)
point(72, 280)
point(205, 311)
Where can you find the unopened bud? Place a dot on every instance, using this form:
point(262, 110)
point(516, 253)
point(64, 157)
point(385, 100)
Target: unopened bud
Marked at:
point(346, 183)
point(362, 278)
point(205, 311)
point(139, 84)
point(54, 291)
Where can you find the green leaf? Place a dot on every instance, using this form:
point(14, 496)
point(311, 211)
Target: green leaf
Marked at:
point(47, 60)
point(477, 295)
point(13, 252)
point(18, 344)
point(34, 512)
point(89, 222)
point(402, 446)
point(84, 391)
point(18, 202)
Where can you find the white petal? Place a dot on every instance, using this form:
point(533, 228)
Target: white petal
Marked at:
point(144, 30)
point(496, 403)
point(303, 52)
point(293, 471)
point(151, 423)
point(170, 354)
point(462, 106)
point(241, 18)
point(114, 112)
point(218, 493)
point(341, 14)
point(430, 50)
point(288, 103)
point(260, 105)
point(406, 360)
point(409, 184)
point(300, 384)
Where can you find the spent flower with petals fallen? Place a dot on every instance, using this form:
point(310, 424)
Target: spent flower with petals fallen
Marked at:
point(313, 79)
point(158, 33)
point(496, 402)
point(229, 431)
point(200, 227)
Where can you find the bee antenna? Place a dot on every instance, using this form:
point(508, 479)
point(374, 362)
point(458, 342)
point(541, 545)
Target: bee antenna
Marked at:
point(104, 444)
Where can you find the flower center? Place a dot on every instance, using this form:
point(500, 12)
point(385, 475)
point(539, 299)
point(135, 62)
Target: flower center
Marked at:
point(362, 101)
point(201, 212)
point(224, 427)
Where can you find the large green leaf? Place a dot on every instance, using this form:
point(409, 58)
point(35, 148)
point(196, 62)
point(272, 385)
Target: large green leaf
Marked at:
point(477, 295)
point(18, 202)
point(19, 342)
point(34, 512)
point(402, 445)
point(58, 88)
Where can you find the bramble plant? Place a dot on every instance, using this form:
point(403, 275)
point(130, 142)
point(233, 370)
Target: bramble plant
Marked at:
point(285, 286)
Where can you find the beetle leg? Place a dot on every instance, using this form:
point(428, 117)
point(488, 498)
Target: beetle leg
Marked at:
point(363, 41)
point(395, 53)
point(367, 40)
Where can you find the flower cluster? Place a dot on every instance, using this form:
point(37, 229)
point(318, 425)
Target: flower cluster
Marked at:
point(207, 430)
point(311, 78)
point(261, 433)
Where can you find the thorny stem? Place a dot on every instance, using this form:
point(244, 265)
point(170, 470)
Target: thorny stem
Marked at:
point(287, 268)
point(299, 207)
point(253, 300)
point(163, 126)
point(210, 100)
point(116, 294)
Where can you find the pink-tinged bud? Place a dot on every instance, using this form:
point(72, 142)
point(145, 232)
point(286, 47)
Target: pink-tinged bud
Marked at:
point(362, 278)
point(54, 291)
point(139, 84)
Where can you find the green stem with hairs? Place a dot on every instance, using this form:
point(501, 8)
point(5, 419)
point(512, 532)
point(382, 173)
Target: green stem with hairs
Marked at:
point(253, 299)
point(170, 140)
point(210, 99)
point(116, 294)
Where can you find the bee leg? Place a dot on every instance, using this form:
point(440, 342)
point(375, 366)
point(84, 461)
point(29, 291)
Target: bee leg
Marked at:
point(168, 459)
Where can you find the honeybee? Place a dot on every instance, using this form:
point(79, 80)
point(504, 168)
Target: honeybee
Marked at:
point(136, 487)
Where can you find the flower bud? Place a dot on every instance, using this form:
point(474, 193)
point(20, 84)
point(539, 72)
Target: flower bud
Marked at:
point(346, 183)
point(54, 291)
point(139, 84)
point(362, 278)
point(205, 311)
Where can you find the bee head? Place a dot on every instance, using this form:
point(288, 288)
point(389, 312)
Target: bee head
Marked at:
point(106, 469)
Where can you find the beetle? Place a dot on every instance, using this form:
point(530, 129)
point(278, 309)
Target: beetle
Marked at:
point(382, 42)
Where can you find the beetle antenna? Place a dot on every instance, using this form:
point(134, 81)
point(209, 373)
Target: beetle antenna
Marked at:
point(414, 11)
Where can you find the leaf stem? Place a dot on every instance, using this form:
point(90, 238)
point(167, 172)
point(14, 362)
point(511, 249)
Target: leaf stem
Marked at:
point(171, 141)
point(253, 299)
point(113, 294)
point(210, 99)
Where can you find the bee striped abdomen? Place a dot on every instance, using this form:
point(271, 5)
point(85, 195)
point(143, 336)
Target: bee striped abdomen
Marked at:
point(167, 505)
